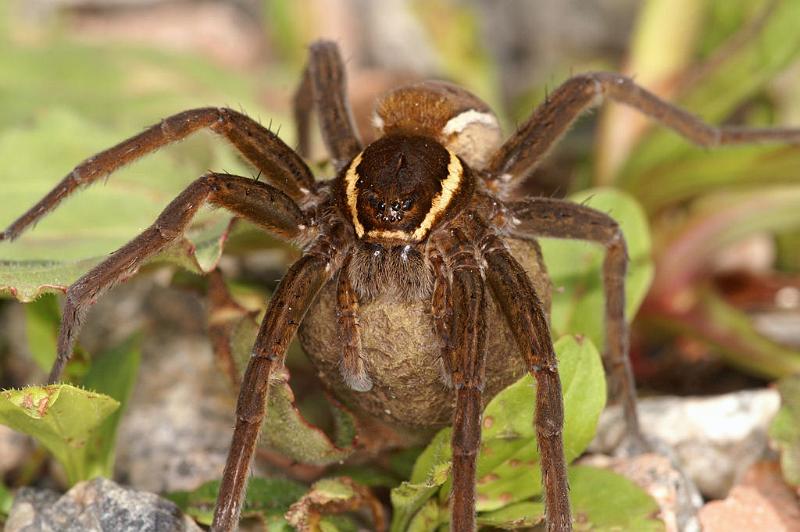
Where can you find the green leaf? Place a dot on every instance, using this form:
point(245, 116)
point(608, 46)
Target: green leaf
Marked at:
point(6, 500)
point(513, 516)
point(603, 501)
point(100, 219)
point(113, 374)
point(508, 467)
point(785, 429)
point(723, 87)
point(575, 267)
point(430, 517)
point(431, 471)
point(62, 418)
point(267, 498)
point(42, 318)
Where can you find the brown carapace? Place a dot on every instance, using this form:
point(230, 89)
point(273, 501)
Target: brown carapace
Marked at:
point(422, 215)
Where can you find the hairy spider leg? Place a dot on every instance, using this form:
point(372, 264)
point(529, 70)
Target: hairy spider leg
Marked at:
point(555, 218)
point(524, 312)
point(526, 148)
point(283, 168)
point(324, 85)
point(258, 202)
point(466, 351)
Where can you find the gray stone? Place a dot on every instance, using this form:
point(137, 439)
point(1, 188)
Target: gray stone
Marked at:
point(96, 505)
point(714, 439)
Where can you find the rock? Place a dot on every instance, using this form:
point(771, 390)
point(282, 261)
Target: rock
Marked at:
point(761, 501)
point(676, 496)
point(14, 449)
point(96, 505)
point(177, 430)
point(715, 439)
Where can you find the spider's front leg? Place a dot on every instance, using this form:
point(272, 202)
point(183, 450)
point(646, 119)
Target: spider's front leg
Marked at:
point(516, 297)
point(555, 218)
point(464, 354)
point(255, 201)
point(295, 293)
point(280, 166)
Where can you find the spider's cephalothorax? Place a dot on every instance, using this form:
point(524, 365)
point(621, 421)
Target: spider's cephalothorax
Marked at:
point(401, 186)
point(415, 273)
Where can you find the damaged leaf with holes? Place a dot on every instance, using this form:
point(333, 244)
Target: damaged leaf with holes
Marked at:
point(63, 419)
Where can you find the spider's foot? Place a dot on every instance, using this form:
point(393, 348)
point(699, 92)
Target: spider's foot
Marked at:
point(358, 381)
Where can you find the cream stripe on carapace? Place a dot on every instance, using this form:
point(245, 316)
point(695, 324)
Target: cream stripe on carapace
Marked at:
point(455, 172)
point(450, 185)
point(351, 192)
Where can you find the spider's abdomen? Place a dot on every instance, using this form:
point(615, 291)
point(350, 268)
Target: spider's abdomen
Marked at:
point(402, 351)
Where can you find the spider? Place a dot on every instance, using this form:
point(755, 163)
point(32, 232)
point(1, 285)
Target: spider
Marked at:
point(419, 218)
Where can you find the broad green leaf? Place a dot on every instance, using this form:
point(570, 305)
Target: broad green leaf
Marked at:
point(431, 516)
point(106, 94)
point(785, 429)
point(113, 373)
point(62, 418)
point(97, 220)
point(267, 498)
point(603, 501)
point(575, 267)
point(508, 468)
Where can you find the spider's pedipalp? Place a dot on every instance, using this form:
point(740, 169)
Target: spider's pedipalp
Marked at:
point(352, 366)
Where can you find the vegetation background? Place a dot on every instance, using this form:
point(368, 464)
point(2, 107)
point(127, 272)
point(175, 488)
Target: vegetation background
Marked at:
point(713, 234)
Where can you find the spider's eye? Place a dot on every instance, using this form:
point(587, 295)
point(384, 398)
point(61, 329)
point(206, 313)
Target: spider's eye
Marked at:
point(381, 206)
point(395, 205)
point(407, 204)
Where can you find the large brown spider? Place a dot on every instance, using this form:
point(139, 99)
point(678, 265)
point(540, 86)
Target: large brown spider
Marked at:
point(419, 215)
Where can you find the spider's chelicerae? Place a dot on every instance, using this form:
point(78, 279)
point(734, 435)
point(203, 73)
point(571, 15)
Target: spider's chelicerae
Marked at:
point(420, 215)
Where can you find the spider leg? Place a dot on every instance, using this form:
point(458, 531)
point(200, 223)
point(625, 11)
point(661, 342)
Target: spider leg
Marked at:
point(467, 353)
point(352, 367)
point(295, 293)
point(520, 154)
point(324, 85)
point(442, 314)
point(555, 218)
point(255, 201)
point(283, 168)
point(515, 295)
